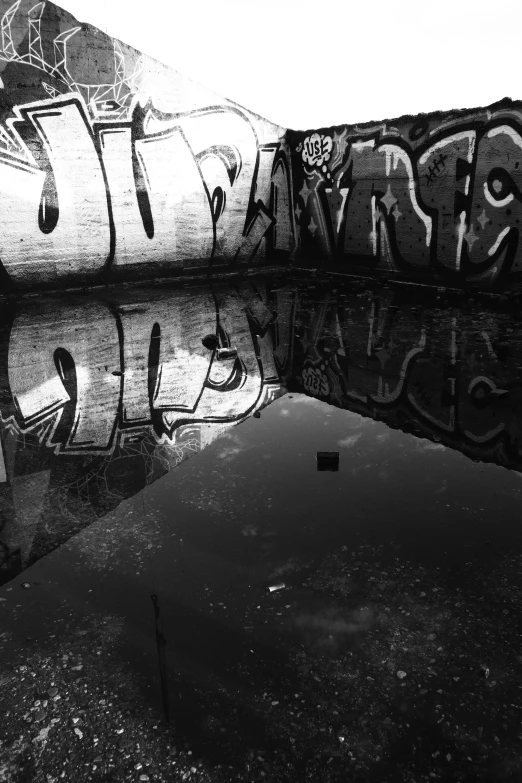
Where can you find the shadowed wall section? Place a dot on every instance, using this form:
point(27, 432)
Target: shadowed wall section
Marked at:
point(432, 197)
point(113, 166)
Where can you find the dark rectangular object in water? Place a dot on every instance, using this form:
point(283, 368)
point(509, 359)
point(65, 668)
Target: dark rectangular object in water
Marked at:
point(327, 460)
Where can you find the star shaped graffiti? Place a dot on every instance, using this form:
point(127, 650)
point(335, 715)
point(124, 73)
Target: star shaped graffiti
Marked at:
point(388, 200)
point(483, 219)
point(304, 193)
point(471, 238)
point(395, 212)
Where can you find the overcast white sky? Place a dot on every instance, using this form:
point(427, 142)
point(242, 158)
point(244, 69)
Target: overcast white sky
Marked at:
point(307, 63)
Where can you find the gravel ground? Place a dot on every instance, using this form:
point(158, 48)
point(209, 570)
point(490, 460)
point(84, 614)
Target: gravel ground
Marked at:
point(366, 667)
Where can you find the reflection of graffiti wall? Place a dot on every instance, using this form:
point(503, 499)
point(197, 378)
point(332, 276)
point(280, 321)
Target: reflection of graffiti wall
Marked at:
point(100, 397)
point(439, 194)
point(88, 374)
point(112, 165)
point(439, 372)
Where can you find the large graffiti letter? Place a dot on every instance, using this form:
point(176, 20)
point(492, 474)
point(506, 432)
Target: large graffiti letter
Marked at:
point(492, 238)
point(67, 361)
point(166, 364)
point(225, 146)
point(234, 385)
point(384, 218)
point(77, 239)
point(444, 179)
point(176, 194)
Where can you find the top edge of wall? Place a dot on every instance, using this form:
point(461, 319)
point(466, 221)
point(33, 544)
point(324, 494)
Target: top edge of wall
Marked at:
point(504, 104)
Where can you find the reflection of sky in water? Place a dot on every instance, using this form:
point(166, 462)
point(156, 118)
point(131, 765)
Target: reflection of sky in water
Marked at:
point(389, 485)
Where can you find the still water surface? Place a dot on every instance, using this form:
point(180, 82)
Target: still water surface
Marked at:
point(175, 489)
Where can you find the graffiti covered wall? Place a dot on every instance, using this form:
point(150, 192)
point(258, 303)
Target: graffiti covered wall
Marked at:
point(432, 196)
point(113, 166)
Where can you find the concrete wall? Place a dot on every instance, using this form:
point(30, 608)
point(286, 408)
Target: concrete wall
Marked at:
point(113, 166)
point(436, 196)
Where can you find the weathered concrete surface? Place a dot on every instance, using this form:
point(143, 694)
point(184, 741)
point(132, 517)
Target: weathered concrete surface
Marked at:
point(113, 166)
point(435, 197)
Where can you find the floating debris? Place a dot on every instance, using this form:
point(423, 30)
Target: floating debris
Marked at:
point(279, 586)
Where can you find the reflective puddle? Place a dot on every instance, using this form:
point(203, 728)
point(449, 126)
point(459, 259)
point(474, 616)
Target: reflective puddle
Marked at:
point(160, 475)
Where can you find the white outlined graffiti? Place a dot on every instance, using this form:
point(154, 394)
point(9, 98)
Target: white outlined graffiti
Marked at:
point(86, 375)
point(114, 99)
point(80, 197)
point(113, 183)
point(424, 198)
